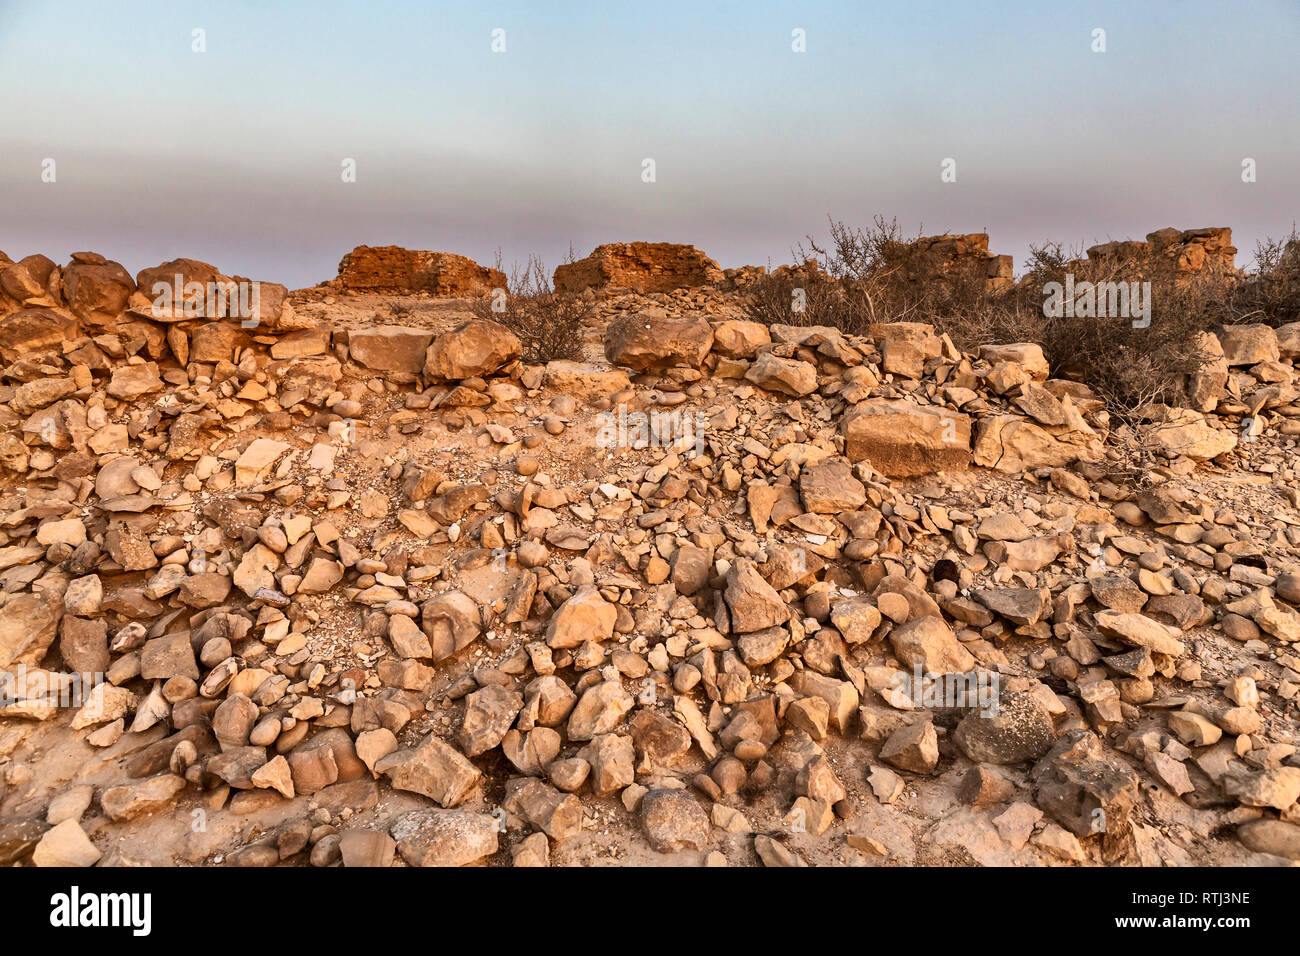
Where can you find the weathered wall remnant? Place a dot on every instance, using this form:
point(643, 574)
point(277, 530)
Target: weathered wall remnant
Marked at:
point(395, 269)
point(639, 266)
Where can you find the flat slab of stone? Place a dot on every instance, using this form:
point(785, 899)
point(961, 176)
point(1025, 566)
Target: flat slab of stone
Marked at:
point(257, 459)
point(390, 348)
point(902, 439)
point(582, 379)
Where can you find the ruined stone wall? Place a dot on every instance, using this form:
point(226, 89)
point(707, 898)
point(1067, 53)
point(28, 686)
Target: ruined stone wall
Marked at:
point(639, 266)
point(395, 269)
point(1187, 253)
point(950, 257)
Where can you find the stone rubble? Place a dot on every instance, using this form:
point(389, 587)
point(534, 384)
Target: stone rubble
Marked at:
point(389, 596)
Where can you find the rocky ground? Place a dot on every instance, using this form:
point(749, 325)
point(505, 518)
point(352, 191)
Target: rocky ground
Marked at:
point(355, 584)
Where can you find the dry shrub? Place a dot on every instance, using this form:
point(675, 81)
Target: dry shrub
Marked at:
point(1270, 293)
point(859, 277)
point(864, 276)
point(549, 324)
point(807, 295)
point(875, 274)
point(888, 274)
point(1127, 363)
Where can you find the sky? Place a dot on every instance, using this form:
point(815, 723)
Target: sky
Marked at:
point(235, 155)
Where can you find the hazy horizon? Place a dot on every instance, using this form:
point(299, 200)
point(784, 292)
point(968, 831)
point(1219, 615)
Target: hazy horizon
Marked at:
point(234, 155)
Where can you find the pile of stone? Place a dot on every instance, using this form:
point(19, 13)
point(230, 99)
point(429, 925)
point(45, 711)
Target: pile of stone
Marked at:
point(396, 595)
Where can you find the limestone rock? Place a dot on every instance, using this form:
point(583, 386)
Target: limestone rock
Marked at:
point(389, 348)
point(444, 837)
point(1249, 344)
point(362, 847)
point(740, 339)
point(28, 626)
point(830, 488)
point(754, 604)
point(1084, 789)
point(253, 465)
point(674, 821)
point(148, 796)
point(902, 439)
point(434, 769)
point(647, 341)
point(66, 845)
point(786, 376)
point(1271, 836)
point(599, 710)
point(1013, 444)
point(451, 622)
point(928, 643)
point(1020, 730)
point(489, 712)
point(476, 348)
point(913, 747)
point(557, 814)
point(584, 617)
point(1189, 436)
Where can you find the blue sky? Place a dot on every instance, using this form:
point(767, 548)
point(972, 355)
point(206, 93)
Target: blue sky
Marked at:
point(234, 155)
